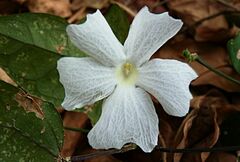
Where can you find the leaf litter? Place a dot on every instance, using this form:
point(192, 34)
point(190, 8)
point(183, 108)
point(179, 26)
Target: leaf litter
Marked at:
point(215, 99)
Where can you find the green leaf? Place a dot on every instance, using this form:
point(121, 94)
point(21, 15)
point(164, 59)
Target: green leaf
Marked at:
point(30, 46)
point(233, 46)
point(31, 130)
point(32, 68)
point(42, 30)
point(118, 21)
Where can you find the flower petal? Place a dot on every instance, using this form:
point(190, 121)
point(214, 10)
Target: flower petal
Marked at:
point(148, 33)
point(85, 81)
point(128, 116)
point(96, 38)
point(168, 81)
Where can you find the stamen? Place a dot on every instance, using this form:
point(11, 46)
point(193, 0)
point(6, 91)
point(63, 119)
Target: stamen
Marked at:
point(127, 69)
point(127, 74)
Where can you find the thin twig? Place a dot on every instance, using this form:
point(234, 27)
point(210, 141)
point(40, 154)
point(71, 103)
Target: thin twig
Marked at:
point(77, 16)
point(229, 5)
point(208, 18)
point(101, 153)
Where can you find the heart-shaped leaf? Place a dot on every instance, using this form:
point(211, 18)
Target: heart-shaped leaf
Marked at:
point(31, 130)
point(42, 30)
point(30, 45)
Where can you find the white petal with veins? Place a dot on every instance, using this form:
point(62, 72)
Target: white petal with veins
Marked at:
point(148, 33)
point(128, 116)
point(96, 39)
point(85, 81)
point(168, 81)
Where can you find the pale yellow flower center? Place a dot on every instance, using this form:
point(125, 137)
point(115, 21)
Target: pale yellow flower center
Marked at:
point(127, 74)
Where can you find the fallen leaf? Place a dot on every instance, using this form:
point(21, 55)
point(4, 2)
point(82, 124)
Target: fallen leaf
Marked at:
point(55, 7)
point(209, 111)
point(193, 11)
point(73, 139)
point(202, 120)
point(4, 77)
point(95, 4)
point(221, 157)
point(169, 126)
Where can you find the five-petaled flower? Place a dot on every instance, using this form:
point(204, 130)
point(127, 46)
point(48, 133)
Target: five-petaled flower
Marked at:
point(123, 74)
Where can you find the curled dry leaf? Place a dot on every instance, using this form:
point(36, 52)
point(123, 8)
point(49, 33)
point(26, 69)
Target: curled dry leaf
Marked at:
point(221, 157)
point(72, 138)
point(192, 12)
point(202, 120)
point(168, 126)
point(55, 7)
point(4, 77)
point(165, 138)
point(218, 101)
point(214, 55)
point(208, 113)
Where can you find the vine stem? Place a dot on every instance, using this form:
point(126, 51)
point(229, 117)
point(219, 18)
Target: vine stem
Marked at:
point(185, 29)
point(195, 57)
point(76, 129)
point(220, 73)
point(159, 148)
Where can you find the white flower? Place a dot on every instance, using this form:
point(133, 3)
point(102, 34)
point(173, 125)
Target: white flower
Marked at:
point(124, 74)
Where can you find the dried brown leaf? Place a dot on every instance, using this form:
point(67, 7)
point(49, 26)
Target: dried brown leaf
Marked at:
point(194, 11)
point(221, 157)
point(217, 100)
point(96, 4)
point(202, 120)
point(73, 138)
point(4, 77)
point(55, 7)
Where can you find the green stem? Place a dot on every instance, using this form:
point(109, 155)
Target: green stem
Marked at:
point(220, 73)
point(77, 129)
point(194, 57)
